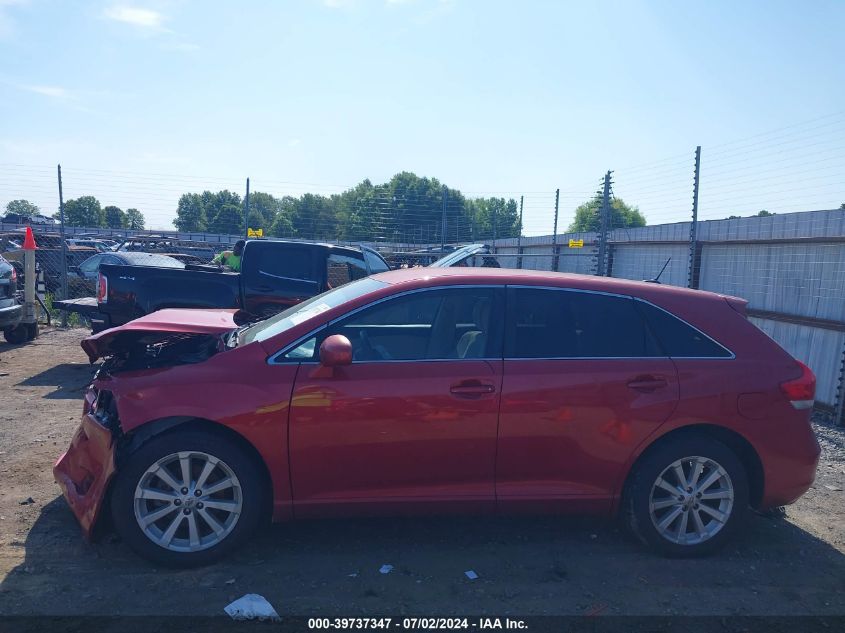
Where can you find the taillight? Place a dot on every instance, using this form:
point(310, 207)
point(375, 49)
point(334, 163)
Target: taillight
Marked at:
point(801, 391)
point(102, 288)
point(14, 276)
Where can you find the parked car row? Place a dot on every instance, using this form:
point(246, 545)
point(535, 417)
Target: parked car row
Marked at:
point(430, 390)
point(10, 307)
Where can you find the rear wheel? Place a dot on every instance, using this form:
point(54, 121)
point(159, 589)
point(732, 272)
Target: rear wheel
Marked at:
point(687, 496)
point(186, 498)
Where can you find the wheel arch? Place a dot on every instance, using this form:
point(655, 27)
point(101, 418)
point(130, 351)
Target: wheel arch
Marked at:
point(745, 452)
point(132, 441)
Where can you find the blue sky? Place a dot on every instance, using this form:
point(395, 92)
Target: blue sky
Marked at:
point(145, 99)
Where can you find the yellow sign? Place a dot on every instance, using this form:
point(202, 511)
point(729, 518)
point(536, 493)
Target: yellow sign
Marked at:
point(576, 243)
point(255, 232)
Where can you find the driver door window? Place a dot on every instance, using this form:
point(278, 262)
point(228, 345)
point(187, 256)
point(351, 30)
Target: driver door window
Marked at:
point(444, 324)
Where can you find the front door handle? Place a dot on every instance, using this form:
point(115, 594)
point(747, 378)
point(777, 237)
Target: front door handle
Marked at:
point(647, 384)
point(471, 389)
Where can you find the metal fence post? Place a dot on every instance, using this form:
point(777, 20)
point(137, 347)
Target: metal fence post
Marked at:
point(63, 268)
point(555, 256)
point(443, 226)
point(839, 408)
point(519, 235)
point(601, 268)
point(246, 210)
point(694, 255)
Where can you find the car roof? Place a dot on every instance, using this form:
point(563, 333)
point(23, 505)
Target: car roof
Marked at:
point(135, 257)
point(425, 276)
point(313, 244)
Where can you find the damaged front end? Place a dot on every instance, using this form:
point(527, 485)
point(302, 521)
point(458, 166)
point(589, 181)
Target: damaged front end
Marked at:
point(84, 471)
point(187, 337)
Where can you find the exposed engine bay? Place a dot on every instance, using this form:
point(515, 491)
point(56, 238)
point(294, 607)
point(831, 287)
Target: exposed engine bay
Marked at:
point(134, 350)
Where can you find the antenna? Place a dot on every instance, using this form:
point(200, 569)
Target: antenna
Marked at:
point(656, 280)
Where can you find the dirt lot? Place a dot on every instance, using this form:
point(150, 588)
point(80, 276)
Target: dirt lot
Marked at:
point(526, 566)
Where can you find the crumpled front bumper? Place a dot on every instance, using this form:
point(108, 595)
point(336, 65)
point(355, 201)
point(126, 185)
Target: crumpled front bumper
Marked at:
point(83, 472)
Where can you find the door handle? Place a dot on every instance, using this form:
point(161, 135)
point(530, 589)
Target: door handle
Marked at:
point(647, 384)
point(471, 388)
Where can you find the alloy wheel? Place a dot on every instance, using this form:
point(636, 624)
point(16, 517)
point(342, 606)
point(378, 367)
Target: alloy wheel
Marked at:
point(691, 500)
point(188, 501)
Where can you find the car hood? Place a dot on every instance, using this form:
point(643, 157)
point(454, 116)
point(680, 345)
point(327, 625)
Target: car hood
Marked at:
point(164, 322)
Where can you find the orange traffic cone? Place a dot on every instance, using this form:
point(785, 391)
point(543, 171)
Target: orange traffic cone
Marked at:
point(29, 240)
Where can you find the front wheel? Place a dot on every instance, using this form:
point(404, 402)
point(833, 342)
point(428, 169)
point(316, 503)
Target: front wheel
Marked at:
point(687, 496)
point(186, 498)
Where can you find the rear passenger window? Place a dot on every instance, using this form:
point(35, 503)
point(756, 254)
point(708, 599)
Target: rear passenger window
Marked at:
point(546, 323)
point(286, 263)
point(678, 339)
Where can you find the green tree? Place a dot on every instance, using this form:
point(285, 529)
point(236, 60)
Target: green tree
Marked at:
point(622, 215)
point(228, 220)
point(764, 214)
point(84, 211)
point(262, 210)
point(190, 214)
point(115, 217)
point(134, 220)
point(493, 217)
point(314, 217)
point(23, 207)
point(282, 225)
point(359, 211)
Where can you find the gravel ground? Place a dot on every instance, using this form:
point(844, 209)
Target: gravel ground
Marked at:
point(779, 566)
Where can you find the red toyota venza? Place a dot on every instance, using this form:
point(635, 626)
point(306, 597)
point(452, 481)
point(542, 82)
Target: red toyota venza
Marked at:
point(437, 391)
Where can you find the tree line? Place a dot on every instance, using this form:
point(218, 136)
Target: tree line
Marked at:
point(85, 211)
point(407, 208)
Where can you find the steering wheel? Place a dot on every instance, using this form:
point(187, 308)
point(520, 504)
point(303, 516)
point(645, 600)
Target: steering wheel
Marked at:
point(369, 352)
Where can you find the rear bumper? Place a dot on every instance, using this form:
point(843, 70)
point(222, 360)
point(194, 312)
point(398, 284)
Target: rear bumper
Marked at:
point(10, 316)
point(790, 471)
point(83, 472)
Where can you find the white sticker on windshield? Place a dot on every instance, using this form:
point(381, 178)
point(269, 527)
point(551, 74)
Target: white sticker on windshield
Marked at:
point(306, 314)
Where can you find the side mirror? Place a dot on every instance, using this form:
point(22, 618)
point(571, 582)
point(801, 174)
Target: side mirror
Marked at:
point(336, 351)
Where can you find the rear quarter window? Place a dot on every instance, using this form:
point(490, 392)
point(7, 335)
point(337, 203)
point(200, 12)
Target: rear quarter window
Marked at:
point(679, 339)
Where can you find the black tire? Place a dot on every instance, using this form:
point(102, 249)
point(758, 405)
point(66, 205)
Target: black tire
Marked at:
point(212, 443)
point(16, 335)
point(636, 502)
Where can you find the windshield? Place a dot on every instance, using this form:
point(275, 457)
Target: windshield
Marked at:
point(295, 315)
point(453, 258)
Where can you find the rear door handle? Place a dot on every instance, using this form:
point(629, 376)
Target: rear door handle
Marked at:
point(647, 384)
point(471, 389)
